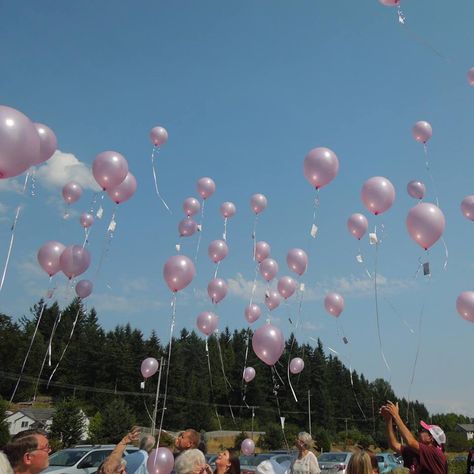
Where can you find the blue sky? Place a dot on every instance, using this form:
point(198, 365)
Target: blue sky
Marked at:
point(245, 90)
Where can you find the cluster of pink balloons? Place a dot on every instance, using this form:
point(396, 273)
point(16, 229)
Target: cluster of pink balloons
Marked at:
point(23, 143)
point(110, 170)
point(149, 367)
point(268, 343)
point(72, 261)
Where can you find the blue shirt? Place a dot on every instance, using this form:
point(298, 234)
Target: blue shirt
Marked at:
point(136, 462)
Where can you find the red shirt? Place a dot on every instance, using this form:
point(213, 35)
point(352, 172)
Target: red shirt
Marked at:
point(429, 460)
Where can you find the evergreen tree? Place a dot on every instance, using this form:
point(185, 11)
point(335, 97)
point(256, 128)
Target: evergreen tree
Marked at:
point(68, 423)
point(117, 420)
point(4, 433)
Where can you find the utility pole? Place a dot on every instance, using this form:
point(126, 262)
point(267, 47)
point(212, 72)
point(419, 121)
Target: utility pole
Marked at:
point(309, 411)
point(345, 444)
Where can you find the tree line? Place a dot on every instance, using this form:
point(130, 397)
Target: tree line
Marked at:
point(101, 371)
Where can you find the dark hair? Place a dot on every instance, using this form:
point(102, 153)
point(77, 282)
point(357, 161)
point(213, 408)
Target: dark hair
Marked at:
point(373, 461)
point(234, 461)
point(20, 444)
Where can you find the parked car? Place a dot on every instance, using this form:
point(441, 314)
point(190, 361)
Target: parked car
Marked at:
point(248, 464)
point(211, 460)
point(387, 462)
point(81, 459)
point(334, 462)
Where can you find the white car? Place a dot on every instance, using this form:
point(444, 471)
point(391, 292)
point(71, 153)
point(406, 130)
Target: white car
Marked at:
point(82, 459)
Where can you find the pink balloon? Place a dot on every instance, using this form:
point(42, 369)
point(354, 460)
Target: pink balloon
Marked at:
point(124, 191)
point(149, 367)
point(425, 224)
point(178, 272)
point(390, 3)
point(416, 189)
point(74, 261)
point(187, 227)
point(470, 76)
point(297, 261)
point(252, 313)
point(296, 365)
point(227, 209)
point(217, 250)
point(217, 290)
point(109, 169)
point(268, 343)
point(286, 286)
point(465, 305)
point(357, 225)
point(378, 194)
point(247, 447)
point(19, 142)
point(207, 322)
point(160, 461)
point(320, 166)
point(191, 206)
point(268, 269)
point(206, 187)
point(467, 207)
point(262, 251)
point(86, 220)
point(84, 288)
point(158, 136)
point(258, 202)
point(334, 304)
point(72, 191)
point(422, 131)
point(272, 299)
point(49, 255)
point(249, 374)
point(48, 143)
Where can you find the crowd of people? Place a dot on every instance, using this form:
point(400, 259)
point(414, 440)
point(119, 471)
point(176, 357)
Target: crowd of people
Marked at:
point(28, 451)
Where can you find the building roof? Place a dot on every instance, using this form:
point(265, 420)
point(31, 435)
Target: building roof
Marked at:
point(38, 414)
point(466, 427)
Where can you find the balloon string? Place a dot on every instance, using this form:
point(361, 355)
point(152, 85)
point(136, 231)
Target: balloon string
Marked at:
point(224, 235)
point(275, 392)
point(430, 174)
point(148, 411)
point(200, 230)
point(217, 269)
point(86, 237)
point(226, 380)
point(377, 311)
point(107, 242)
point(211, 384)
point(165, 394)
point(28, 352)
point(254, 237)
point(65, 348)
point(157, 149)
point(243, 388)
point(10, 247)
point(289, 380)
point(418, 345)
point(446, 255)
point(314, 228)
point(47, 353)
point(401, 15)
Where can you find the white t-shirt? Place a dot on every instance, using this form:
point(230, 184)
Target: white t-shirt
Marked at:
point(308, 464)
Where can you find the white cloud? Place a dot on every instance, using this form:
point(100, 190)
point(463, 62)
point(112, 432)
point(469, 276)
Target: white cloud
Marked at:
point(11, 186)
point(348, 286)
point(132, 304)
point(64, 167)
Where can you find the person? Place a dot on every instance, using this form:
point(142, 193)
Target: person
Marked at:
point(188, 439)
point(114, 464)
point(227, 462)
point(27, 452)
point(136, 462)
point(374, 462)
point(191, 461)
point(5, 467)
point(360, 463)
point(306, 462)
point(424, 455)
point(470, 461)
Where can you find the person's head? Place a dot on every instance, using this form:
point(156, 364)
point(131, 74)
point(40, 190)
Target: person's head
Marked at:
point(431, 434)
point(374, 462)
point(228, 461)
point(147, 443)
point(28, 451)
point(304, 441)
point(191, 461)
point(120, 467)
point(359, 463)
point(188, 439)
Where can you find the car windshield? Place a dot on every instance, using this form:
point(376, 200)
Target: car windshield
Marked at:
point(380, 459)
point(332, 457)
point(66, 457)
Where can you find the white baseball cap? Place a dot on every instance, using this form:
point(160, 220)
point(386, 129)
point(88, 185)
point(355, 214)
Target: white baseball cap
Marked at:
point(435, 431)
